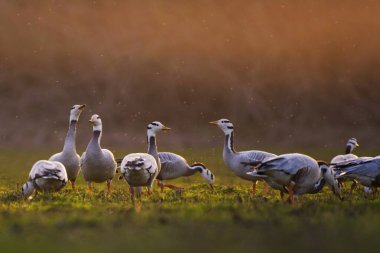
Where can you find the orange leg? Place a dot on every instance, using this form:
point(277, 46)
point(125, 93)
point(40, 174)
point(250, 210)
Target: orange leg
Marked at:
point(161, 185)
point(73, 185)
point(254, 187)
point(89, 187)
point(291, 192)
point(266, 189)
point(170, 186)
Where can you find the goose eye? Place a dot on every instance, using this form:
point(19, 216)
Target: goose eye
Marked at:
point(98, 117)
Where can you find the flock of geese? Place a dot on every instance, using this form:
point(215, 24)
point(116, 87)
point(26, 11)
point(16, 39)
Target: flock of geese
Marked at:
point(293, 174)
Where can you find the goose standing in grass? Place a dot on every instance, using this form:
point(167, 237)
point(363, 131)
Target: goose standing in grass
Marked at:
point(175, 166)
point(45, 176)
point(299, 173)
point(140, 169)
point(240, 162)
point(98, 165)
point(365, 170)
point(352, 143)
point(69, 157)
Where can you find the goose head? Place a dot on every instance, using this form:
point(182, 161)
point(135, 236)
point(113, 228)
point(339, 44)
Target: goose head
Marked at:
point(27, 189)
point(75, 112)
point(225, 125)
point(96, 122)
point(206, 173)
point(351, 144)
point(155, 127)
point(329, 175)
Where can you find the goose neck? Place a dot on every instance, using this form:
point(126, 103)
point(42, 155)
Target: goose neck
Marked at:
point(69, 145)
point(229, 143)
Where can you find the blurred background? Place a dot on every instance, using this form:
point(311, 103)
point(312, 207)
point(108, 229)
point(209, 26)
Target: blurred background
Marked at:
point(297, 74)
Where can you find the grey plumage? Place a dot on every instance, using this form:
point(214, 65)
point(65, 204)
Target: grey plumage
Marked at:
point(45, 176)
point(98, 165)
point(304, 171)
point(242, 162)
point(140, 169)
point(175, 166)
point(69, 156)
point(365, 170)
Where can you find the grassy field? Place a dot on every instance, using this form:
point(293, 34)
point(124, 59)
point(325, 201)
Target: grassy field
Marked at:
point(226, 219)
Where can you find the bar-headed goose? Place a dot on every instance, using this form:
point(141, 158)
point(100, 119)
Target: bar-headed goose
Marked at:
point(140, 169)
point(299, 173)
point(45, 176)
point(98, 165)
point(175, 166)
point(352, 143)
point(69, 156)
point(239, 162)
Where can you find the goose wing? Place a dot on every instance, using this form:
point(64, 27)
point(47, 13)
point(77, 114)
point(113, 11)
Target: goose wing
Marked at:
point(172, 165)
point(288, 163)
point(254, 157)
point(343, 158)
point(139, 169)
point(362, 167)
point(48, 169)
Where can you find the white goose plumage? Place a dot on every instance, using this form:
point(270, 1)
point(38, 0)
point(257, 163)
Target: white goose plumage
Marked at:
point(299, 173)
point(141, 169)
point(69, 156)
point(241, 162)
point(175, 166)
point(45, 176)
point(352, 143)
point(98, 164)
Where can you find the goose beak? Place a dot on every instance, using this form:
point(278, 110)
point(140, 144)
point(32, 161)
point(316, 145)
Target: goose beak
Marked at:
point(214, 122)
point(82, 107)
point(165, 129)
point(91, 122)
point(357, 144)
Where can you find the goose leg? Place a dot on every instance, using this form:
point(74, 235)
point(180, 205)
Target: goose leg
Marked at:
point(89, 187)
point(291, 192)
point(353, 186)
point(254, 187)
point(73, 185)
point(132, 192)
point(108, 186)
point(282, 196)
point(170, 186)
point(161, 185)
point(266, 189)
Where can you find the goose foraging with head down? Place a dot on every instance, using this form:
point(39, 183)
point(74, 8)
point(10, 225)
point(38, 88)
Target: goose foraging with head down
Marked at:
point(69, 156)
point(45, 176)
point(98, 165)
point(140, 169)
point(298, 173)
point(240, 162)
point(175, 166)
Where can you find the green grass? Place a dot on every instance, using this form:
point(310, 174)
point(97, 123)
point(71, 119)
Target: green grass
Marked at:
point(226, 219)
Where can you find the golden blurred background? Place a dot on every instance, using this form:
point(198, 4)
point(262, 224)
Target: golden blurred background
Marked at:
point(287, 73)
